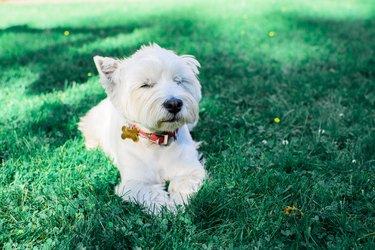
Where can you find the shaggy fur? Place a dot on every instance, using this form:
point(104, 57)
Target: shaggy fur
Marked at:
point(137, 87)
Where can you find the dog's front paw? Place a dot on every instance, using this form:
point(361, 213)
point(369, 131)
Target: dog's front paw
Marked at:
point(153, 197)
point(179, 198)
point(181, 188)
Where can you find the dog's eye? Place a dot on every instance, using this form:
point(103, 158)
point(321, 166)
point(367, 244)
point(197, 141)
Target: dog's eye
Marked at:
point(178, 80)
point(145, 85)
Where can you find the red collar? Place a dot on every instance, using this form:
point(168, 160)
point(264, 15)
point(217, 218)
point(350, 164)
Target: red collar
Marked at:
point(133, 133)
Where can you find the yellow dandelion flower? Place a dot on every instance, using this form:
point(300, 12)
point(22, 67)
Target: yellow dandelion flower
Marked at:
point(277, 119)
point(66, 33)
point(293, 211)
point(271, 33)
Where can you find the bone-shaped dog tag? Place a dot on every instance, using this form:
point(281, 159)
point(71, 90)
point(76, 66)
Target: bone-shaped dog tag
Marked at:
point(131, 133)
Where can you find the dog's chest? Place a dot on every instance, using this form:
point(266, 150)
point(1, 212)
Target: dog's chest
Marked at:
point(152, 155)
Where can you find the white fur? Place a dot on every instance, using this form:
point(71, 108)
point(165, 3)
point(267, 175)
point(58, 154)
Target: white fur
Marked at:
point(144, 166)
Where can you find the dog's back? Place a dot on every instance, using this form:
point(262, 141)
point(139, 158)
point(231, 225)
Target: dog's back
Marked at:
point(93, 125)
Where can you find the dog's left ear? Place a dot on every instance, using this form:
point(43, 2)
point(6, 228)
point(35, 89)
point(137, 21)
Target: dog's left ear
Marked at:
point(106, 67)
point(193, 63)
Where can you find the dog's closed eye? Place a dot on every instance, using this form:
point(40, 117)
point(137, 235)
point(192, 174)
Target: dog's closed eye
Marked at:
point(179, 80)
point(147, 84)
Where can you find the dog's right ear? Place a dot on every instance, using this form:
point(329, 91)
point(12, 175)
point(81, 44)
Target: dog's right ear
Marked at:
point(106, 67)
point(193, 63)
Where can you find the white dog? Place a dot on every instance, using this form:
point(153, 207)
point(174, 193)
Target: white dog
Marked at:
point(143, 125)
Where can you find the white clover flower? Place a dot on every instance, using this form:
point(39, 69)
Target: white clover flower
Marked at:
point(285, 142)
point(354, 161)
point(264, 142)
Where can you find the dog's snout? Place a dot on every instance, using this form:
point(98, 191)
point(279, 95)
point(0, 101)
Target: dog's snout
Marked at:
point(173, 105)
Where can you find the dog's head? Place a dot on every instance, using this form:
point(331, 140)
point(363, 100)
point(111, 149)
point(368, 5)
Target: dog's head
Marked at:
point(154, 87)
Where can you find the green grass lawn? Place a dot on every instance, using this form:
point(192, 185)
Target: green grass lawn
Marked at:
point(309, 63)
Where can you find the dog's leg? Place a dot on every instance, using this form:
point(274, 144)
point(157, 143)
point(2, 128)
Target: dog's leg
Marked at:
point(151, 196)
point(184, 186)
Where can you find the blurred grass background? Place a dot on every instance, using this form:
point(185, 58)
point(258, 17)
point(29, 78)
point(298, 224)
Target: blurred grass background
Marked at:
point(309, 63)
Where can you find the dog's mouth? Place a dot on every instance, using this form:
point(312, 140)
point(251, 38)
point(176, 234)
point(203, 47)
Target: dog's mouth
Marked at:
point(172, 120)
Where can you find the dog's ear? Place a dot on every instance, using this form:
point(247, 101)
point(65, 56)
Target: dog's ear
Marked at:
point(106, 67)
point(193, 63)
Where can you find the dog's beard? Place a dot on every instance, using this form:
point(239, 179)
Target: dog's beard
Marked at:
point(171, 122)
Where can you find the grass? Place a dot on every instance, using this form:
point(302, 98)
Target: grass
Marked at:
point(316, 73)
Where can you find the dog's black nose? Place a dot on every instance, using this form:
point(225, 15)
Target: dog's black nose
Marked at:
point(173, 105)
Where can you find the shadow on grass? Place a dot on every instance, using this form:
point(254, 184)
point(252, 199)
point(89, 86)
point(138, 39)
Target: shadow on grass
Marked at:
point(347, 67)
point(56, 66)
